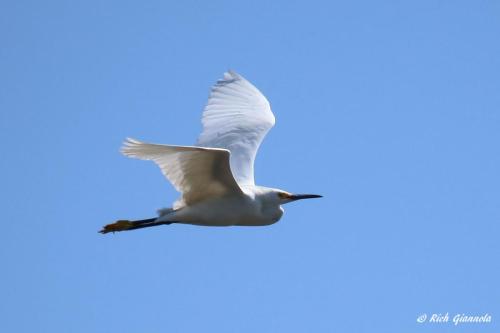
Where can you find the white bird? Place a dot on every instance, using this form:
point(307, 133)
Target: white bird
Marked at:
point(216, 177)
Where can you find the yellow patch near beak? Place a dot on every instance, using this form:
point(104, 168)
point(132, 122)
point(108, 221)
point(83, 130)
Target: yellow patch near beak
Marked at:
point(284, 195)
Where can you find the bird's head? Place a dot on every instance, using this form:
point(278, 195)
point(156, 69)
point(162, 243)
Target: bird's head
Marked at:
point(285, 197)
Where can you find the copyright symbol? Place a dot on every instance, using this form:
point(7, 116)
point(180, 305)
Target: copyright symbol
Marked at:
point(421, 318)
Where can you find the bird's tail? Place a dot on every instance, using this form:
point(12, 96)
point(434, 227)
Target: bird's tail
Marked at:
point(123, 225)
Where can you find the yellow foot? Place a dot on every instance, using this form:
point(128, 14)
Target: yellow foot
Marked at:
point(119, 225)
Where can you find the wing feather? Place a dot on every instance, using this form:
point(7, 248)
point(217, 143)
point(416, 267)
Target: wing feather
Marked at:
point(198, 173)
point(237, 117)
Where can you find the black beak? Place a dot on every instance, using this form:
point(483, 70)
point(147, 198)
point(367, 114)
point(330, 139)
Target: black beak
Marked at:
point(294, 197)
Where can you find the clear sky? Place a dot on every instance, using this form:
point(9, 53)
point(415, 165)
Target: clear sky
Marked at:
point(390, 109)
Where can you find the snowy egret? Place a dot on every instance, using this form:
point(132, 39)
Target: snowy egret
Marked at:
point(215, 177)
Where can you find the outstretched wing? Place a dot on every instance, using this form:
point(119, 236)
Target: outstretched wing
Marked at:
point(198, 173)
point(237, 117)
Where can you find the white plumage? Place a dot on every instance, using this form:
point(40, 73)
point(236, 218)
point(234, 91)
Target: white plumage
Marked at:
point(198, 173)
point(237, 117)
point(216, 177)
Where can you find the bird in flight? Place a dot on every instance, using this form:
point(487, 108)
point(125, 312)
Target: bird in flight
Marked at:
point(216, 177)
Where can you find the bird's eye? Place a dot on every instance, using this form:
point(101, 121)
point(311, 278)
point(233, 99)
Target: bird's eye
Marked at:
point(284, 195)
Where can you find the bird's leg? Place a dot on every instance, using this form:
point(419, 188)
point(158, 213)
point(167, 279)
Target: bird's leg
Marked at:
point(124, 225)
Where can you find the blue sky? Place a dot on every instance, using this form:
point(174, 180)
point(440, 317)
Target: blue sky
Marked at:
point(389, 109)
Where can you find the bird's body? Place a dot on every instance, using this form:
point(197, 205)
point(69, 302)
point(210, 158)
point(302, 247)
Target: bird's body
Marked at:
point(216, 177)
point(253, 207)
